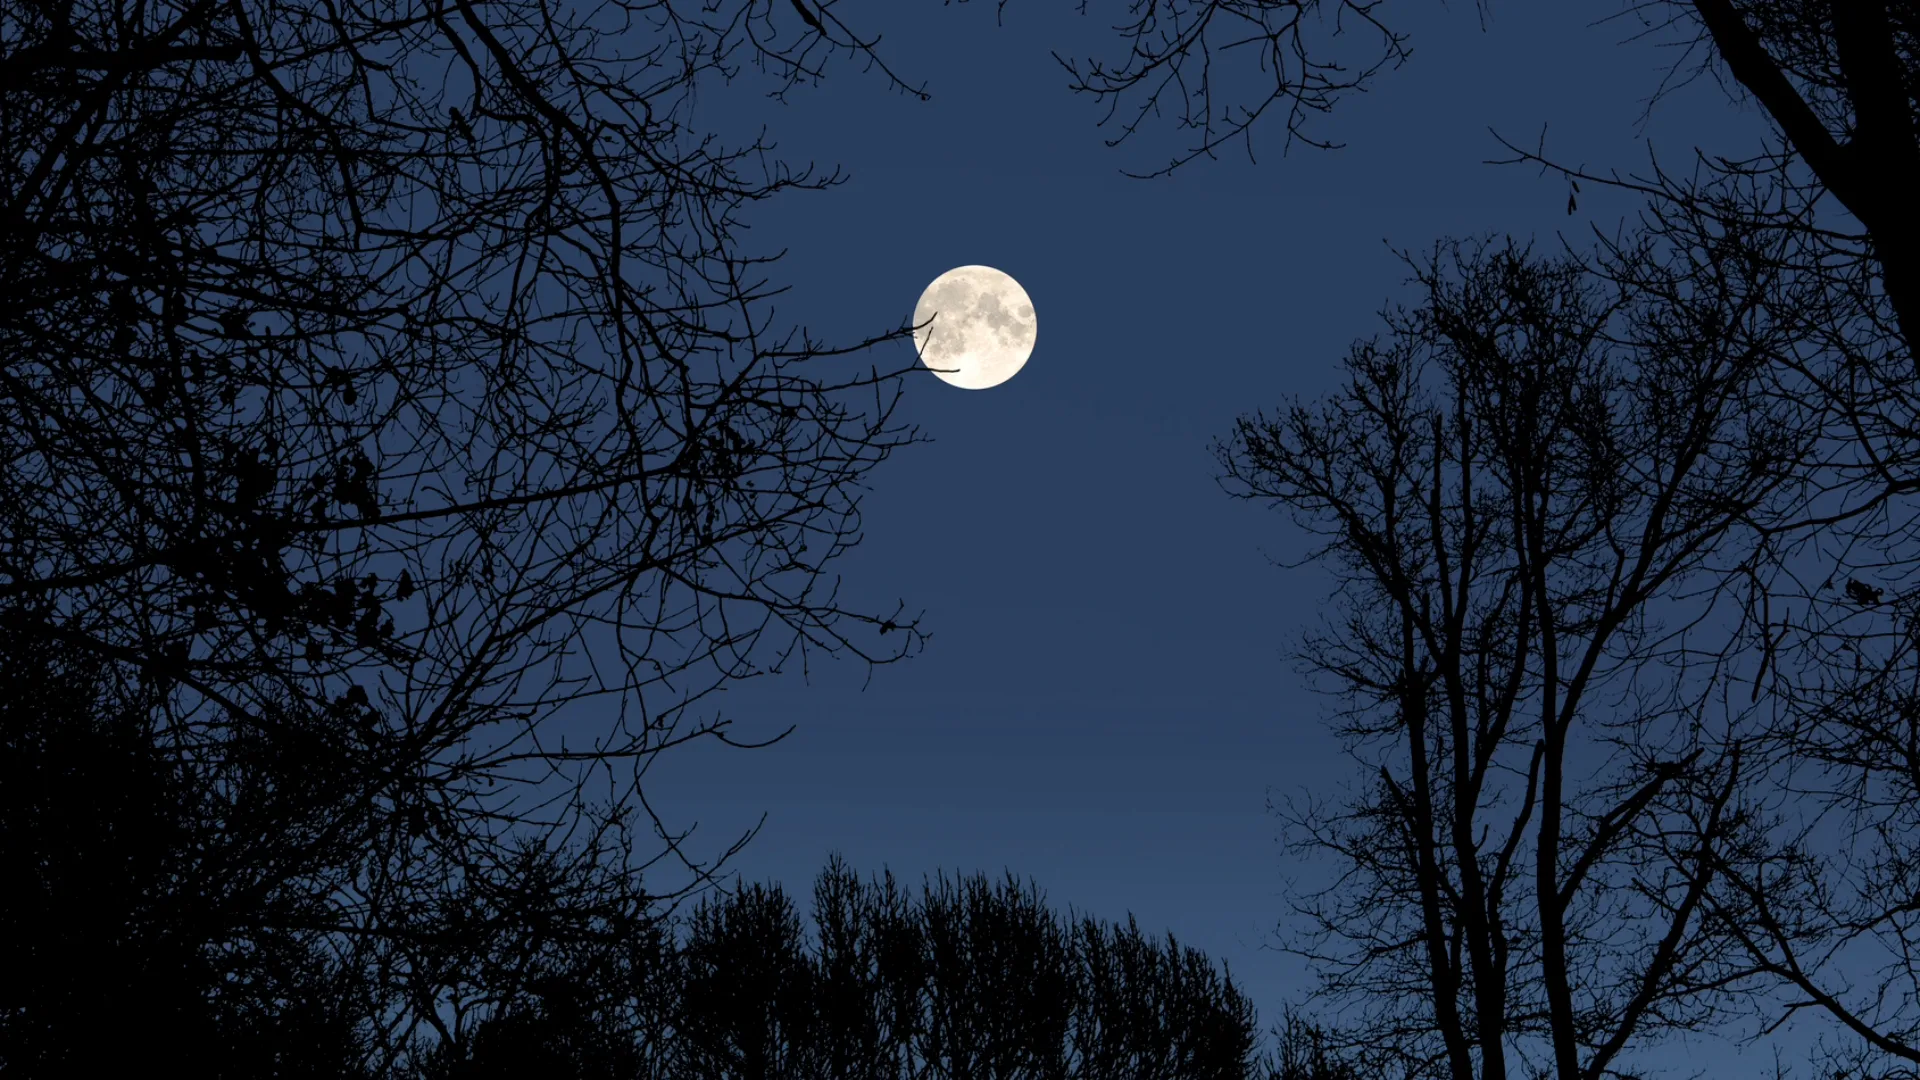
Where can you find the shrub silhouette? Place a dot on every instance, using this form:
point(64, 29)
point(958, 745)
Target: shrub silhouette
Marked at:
point(129, 927)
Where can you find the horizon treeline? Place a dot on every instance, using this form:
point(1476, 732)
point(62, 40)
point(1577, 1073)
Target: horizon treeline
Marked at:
point(971, 978)
point(144, 895)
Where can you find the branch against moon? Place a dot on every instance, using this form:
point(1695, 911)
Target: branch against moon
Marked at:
point(975, 327)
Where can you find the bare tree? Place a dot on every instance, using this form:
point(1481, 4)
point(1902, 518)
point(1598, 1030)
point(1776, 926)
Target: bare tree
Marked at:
point(1538, 493)
point(1838, 82)
point(387, 383)
point(971, 979)
point(1821, 894)
point(1829, 625)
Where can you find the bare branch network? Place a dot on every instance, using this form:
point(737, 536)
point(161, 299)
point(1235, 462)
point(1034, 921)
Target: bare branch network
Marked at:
point(388, 380)
point(1217, 69)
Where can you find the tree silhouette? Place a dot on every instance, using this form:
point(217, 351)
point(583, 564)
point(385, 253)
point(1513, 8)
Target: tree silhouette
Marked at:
point(1822, 906)
point(1535, 491)
point(385, 386)
point(971, 980)
point(747, 991)
point(1812, 234)
point(137, 927)
point(1306, 1053)
point(141, 900)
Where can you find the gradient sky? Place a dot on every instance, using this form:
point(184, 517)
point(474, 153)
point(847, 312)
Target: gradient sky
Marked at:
point(1106, 705)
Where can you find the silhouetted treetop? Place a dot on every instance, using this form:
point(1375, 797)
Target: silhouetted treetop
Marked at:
point(968, 979)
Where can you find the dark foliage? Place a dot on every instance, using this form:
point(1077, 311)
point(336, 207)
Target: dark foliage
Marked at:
point(134, 927)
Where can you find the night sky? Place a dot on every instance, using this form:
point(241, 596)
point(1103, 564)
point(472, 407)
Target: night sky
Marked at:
point(1107, 706)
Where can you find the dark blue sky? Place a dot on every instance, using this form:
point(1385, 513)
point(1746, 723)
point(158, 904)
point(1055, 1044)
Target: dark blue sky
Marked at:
point(1106, 705)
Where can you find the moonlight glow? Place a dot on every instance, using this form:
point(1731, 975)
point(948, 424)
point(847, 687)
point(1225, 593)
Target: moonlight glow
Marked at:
point(976, 327)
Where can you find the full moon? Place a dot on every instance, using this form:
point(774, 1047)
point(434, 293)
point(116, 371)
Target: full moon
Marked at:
point(976, 327)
